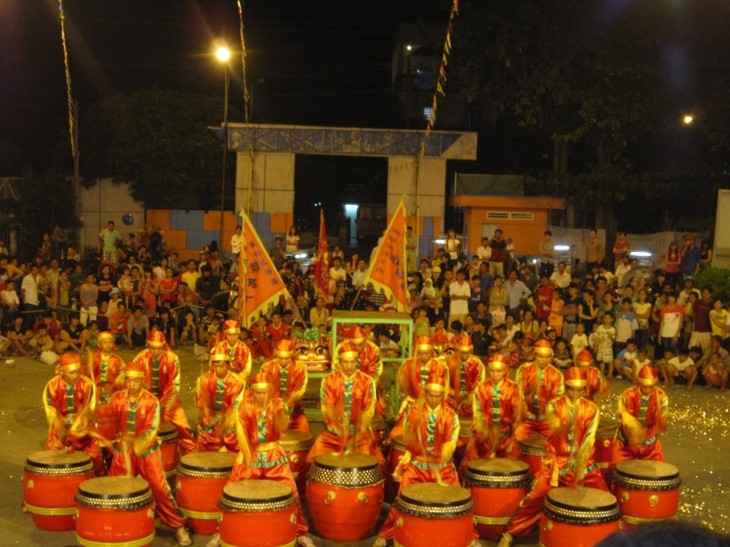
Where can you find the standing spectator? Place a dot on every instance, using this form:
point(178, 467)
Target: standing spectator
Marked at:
point(570, 312)
point(452, 246)
point(138, 328)
point(292, 240)
point(672, 320)
point(625, 325)
point(498, 254)
point(642, 310)
point(705, 255)
point(517, 294)
point(167, 289)
point(672, 263)
point(547, 254)
point(602, 343)
point(484, 252)
point(459, 295)
point(89, 299)
point(561, 277)
point(690, 257)
point(411, 250)
point(59, 238)
point(31, 296)
point(702, 325)
point(497, 301)
point(594, 251)
point(206, 287)
point(621, 248)
point(45, 252)
point(190, 275)
point(277, 252)
point(109, 240)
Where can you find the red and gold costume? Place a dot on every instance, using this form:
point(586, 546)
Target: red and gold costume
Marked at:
point(498, 409)
point(347, 398)
point(431, 432)
point(598, 384)
point(162, 379)
point(138, 418)
point(238, 351)
point(290, 377)
point(644, 412)
point(69, 400)
point(371, 362)
point(218, 393)
point(466, 371)
point(106, 369)
point(572, 422)
point(540, 382)
point(258, 430)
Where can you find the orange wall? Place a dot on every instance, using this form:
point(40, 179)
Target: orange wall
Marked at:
point(526, 235)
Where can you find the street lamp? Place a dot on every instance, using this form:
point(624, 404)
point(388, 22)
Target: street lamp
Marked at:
point(223, 55)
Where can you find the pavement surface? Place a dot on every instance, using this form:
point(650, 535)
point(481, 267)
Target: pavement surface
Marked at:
point(697, 442)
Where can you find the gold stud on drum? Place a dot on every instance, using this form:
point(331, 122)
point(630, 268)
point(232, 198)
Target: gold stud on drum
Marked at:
point(362, 497)
point(549, 525)
point(653, 500)
point(293, 518)
point(625, 497)
point(329, 498)
point(606, 443)
point(30, 484)
point(399, 522)
point(293, 458)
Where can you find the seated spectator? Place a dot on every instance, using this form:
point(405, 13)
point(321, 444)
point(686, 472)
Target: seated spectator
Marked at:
point(40, 341)
point(118, 322)
point(715, 373)
point(70, 337)
point(19, 336)
point(681, 366)
point(625, 361)
point(189, 329)
point(138, 328)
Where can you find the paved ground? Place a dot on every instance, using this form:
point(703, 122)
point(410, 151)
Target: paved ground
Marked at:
point(698, 442)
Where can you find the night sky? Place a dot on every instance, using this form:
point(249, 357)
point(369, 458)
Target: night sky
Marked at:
point(309, 62)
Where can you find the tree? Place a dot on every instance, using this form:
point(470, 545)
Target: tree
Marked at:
point(160, 142)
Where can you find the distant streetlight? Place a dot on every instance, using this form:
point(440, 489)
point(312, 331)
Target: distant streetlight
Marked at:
point(223, 55)
point(688, 119)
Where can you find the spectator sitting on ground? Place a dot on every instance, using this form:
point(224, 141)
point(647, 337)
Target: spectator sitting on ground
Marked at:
point(681, 366)
point(625, 361)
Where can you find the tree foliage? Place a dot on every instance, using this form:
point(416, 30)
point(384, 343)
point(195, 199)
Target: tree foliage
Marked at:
point(159, 141)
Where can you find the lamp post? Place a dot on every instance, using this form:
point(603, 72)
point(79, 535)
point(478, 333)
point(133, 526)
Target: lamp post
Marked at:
point(223, 54)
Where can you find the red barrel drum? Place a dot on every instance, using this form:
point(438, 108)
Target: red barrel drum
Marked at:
point(533, 451)
point(397, 449)
point(200, 481)
point(258, 513)
point(345, 495)
point(605, 437)
point(296, 444)
point(497, 487)
point(432, 514)
point(50, 481)
point(115, 511)
point(105, 422)
point(578, 517)
point(169, 449)
point(646, 490)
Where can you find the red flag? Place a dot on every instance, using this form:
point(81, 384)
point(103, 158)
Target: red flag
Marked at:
point(322, 269)
point(388, 269)
point(259, 281)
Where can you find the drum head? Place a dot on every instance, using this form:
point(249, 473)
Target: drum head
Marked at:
point(346, 461)
point(215, 462)
point(536, 442)
point(499, 467)
point(257, 491)
point(167, 432)
point(606, 428)
point(582, 498)
point(433, 494)
point(647, 469)
point(109, 488)
point(296, 440)
point(55, 459)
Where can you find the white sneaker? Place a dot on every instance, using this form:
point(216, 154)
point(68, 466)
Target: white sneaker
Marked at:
point(380, 542)
point(505, 540)
point(305, 541)
point(214, 541)
point(183, 537)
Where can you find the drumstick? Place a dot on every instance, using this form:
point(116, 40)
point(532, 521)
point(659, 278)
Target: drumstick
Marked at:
point(127, 459)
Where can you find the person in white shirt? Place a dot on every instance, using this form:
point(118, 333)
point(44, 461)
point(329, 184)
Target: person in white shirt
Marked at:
point(236, 246)
point(579, 341)
point(358, 276)
point(561, 277)
point(484, 251)
point(459, 295)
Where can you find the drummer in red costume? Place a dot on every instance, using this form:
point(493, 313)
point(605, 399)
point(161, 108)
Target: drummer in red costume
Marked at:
point(540, 381)
point(290, 377)
point(598, 384)
point(238, 351)
point(162, 374)
point(466, 371)
point(69, 400)
point(371, 362)
point(347, 397)
point(218, 393)
point(260, 419)
point(494, 424)
point(644, 410)
point(106, 368)
point(430, 433)
point(137, 451)
point(412, 376)
point(572, 421)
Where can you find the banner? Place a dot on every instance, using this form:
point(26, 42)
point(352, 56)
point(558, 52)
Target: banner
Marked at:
point(388, 269)
point(259, 281)
point(322, 268)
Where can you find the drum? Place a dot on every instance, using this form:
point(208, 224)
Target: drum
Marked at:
point(169, 448)
point(50, 481)
point(432, 514)
point(397, 449)
point(533, 451)
point(578, 517)
point(105, 422)
point(258, 512)
point(345, 495)
point(296, 444)
point(200, 481)
point(605, 437)
point(114, 511)
point(497, 487)
point(646, 490)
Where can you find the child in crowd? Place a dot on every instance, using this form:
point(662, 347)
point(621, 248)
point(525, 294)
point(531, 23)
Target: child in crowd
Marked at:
point(715, 373)
point(602, 343)
point(561, 358)
point(624, 363)
point(579, 341)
